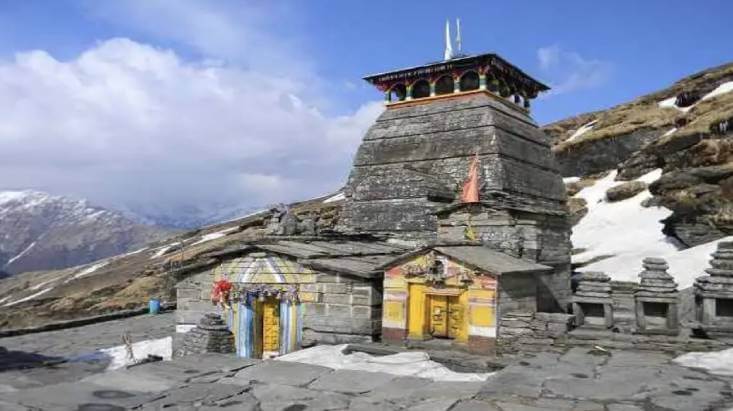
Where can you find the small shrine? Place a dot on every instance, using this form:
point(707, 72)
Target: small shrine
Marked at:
point(714, 293)
point(593, 302)
point(656, 299)
point(455, 293)
point(278, 295)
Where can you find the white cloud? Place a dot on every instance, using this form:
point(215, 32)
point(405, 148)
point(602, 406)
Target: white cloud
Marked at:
point(568, 71)
point(125, 123)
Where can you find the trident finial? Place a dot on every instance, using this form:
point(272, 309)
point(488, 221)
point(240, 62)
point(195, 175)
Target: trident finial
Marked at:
point(448, 54)
point(458, 35)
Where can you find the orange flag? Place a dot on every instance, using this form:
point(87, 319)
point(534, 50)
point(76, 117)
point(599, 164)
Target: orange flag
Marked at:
point(471, 186)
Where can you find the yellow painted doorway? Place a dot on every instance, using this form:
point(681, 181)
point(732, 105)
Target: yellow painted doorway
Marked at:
point(269, 328)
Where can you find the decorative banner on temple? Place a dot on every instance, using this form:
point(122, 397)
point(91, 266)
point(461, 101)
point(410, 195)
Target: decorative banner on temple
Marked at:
point(249, 293)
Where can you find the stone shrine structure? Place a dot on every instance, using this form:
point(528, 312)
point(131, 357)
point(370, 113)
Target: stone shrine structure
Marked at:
point(211, 335)
point(656, 299)
point(412, 161)
point(714, 293)
point(592, 302)
point(456, 293)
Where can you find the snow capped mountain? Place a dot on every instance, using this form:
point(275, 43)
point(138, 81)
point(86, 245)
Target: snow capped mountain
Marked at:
point(40, 231)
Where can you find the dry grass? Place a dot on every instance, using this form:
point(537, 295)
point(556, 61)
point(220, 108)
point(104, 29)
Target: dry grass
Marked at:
point(645, 113)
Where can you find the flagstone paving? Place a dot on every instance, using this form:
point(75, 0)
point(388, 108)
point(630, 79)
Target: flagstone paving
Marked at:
point(580, 379)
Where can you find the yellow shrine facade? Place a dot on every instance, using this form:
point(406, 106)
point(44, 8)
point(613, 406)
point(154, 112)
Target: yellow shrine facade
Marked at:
point(455, 293)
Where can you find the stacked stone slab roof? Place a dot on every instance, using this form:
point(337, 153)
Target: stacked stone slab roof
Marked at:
point(593, 287)
point(719, 281)
point(413, 145)
point(656, 284)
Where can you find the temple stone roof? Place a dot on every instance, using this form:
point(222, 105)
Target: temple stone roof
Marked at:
point(361, 258)
point(384, 194)
point(478, 256)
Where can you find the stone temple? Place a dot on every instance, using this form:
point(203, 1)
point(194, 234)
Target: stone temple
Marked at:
point(412, 161)
point(412, 256)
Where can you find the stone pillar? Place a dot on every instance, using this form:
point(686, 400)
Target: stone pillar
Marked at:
point(594, 288)
point(408, 93)
point(656, 287)
point(456, 84)
point(482, 81)
point(211, 335)
point(714, 290)
point(432, 89)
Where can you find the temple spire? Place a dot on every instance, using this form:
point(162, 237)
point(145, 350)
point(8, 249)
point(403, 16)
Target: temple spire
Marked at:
point(448, 54)
point(458, 35)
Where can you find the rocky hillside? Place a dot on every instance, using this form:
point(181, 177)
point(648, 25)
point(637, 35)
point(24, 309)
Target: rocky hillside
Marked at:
point(129, 280)
point(686, 130)
point(39, 231)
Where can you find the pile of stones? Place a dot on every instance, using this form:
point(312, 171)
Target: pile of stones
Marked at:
point(211, 335)
point(657, 287)
point(594, 288)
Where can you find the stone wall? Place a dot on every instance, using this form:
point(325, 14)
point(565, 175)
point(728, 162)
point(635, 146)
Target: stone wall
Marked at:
point(193, 296)
point(540, 238)
point(344, 309)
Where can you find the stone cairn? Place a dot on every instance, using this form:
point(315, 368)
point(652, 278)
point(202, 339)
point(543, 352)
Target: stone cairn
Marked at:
point(656, 286)
point(716, 286)
point(593, 288)
point(211, 335)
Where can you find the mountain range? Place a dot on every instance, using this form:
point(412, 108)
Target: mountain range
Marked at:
point(39, 231)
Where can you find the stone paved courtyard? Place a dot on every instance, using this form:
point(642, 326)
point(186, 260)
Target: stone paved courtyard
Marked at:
point(578, 379)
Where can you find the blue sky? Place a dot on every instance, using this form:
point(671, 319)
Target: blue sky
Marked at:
point(248, 93)
point(637, 46)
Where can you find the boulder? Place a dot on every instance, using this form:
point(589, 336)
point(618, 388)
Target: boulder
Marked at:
point(625, 190)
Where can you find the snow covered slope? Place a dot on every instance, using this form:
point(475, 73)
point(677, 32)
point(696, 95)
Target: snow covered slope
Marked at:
point(614, 237)
point(39, 231)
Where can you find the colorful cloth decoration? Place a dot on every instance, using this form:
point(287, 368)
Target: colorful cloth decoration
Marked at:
point(220, 293)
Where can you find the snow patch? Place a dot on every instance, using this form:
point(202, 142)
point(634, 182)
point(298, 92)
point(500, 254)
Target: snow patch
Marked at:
point(672, 103)
point(184, 328)
point(624, 230)
point(413, 363)
point(669, 132)
point(134, 252)
point(334, 198)
point(214, 236)
point(582, 130)
point(162, 251)
point(4, 299)
point(569, 180)
point(119, 358)
point(90, 269)
point(716, 362)
point(39, 285)
point(726, 87)
point(22, 253)
point(30, 297)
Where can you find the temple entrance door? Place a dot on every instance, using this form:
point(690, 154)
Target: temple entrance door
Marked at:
point(455, 318)
point(446, 316)
point(270, 327)
point(439, 316)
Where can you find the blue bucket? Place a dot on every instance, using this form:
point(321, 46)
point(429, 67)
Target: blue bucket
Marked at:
point(154, 306)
